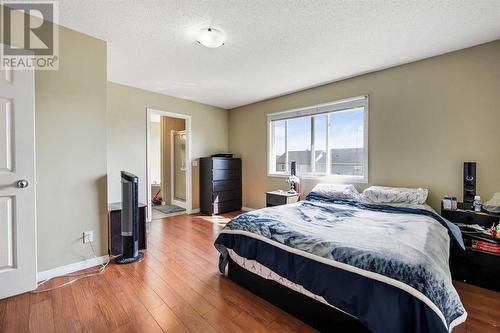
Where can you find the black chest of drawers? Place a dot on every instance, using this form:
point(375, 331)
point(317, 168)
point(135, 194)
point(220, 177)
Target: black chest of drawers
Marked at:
point(220, 185)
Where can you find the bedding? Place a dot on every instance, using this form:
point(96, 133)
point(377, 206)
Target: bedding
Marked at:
point(384, 194)
point(385, 265)
point(264, 272)
point(337, 191)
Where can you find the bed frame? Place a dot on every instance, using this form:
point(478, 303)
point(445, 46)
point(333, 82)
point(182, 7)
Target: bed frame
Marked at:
point(317, 314)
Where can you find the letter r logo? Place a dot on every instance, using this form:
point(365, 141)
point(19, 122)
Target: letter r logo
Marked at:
point(28, 28)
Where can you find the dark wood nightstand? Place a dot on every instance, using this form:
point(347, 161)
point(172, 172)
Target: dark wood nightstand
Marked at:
point(474, 266)
point(280, 197)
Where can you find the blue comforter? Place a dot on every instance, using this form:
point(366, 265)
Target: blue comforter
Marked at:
point(387, 266)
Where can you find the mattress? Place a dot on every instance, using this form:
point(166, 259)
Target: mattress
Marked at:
point(253, 266)
point(363, 259)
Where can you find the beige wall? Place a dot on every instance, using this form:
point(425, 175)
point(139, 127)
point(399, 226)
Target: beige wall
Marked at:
point(127, 133)
point(426, 119)
point(169, 124)
point(70, 111)
point(70, 125)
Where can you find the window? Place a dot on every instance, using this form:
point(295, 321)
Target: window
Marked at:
point(324, 140)
point(298, 138)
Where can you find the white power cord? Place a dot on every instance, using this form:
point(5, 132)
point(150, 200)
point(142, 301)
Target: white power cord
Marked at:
point(82, 275)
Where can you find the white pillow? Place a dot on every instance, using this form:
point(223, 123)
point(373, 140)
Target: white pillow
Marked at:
point(383, 194)
point(337, 191)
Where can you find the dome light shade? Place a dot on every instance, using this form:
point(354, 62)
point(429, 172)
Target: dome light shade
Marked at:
point(210, 37)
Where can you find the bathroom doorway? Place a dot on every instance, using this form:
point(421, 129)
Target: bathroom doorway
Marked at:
point(168, 164)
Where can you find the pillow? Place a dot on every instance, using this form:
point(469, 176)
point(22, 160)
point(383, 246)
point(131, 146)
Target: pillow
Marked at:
point(337, 191)
point(382, 194)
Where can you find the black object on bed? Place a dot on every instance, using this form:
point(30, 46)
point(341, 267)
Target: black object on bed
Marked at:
point(312, 312)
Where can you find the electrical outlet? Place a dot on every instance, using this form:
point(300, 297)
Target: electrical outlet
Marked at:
point(88, 236)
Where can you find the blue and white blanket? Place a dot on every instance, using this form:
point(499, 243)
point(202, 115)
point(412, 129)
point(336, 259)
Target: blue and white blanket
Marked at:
point(387, 266)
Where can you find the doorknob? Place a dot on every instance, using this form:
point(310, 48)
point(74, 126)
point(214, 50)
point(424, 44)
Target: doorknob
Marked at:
point(23, 183)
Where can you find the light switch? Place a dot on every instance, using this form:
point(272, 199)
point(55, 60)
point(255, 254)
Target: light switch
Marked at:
point(195, 163)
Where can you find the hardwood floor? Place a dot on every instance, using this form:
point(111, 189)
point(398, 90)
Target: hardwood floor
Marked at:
point(177, 288)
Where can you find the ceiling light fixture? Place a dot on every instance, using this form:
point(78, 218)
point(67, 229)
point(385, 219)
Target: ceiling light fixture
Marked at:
point(210, 37)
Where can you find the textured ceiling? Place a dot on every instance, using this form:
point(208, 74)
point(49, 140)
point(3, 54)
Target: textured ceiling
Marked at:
point(273, 47)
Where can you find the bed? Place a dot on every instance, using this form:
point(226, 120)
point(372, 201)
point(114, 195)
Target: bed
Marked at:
point(347, 264)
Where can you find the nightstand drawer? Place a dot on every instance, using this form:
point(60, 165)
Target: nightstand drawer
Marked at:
point(469, 217)
point(277, 198)
point(477, 268)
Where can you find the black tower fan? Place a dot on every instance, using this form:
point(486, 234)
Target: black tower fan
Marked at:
point(130, 219)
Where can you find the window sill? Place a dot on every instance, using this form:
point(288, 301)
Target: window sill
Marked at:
point(326, 178)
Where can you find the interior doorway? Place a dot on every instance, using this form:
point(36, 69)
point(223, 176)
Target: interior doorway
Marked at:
point(168, 164)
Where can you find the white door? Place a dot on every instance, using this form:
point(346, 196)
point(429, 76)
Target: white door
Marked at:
point(17, 183)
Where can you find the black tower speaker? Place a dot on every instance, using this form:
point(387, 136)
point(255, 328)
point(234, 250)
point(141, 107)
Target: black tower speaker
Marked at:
point(469, 181)
point(130, 219)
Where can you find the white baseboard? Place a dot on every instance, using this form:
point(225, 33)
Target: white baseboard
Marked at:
point(247, 209)
point(195, 211)
point(71, 268)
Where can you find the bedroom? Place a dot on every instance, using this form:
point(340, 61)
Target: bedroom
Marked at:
point(427, 77)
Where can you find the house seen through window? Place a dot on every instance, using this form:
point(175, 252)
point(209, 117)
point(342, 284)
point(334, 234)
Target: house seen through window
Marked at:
point(324, 140)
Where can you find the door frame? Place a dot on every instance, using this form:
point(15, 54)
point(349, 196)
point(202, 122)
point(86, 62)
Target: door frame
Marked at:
point(172, 171)
point(189, 190)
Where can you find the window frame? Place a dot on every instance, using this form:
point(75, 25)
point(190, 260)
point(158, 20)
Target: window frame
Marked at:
point(311, 111)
